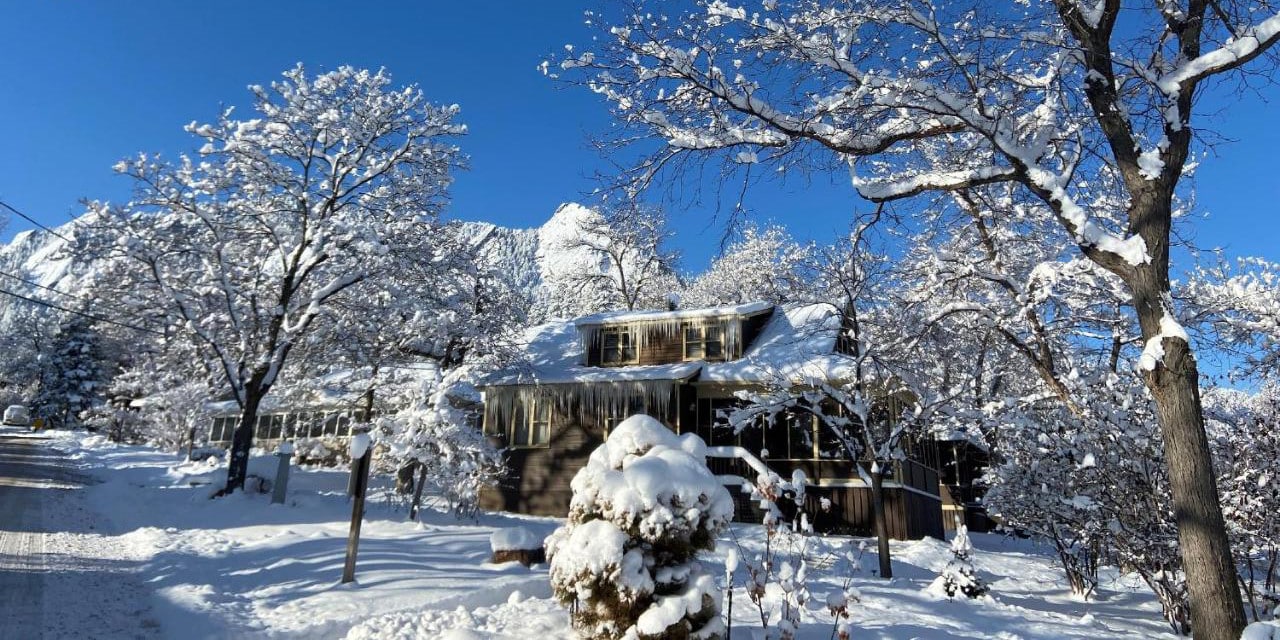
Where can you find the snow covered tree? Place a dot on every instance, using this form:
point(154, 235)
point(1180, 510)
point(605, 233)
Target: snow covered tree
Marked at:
point(1083, 107)
point(244, 245)
point(959, 576)
point(642, 509)
point(26, 339)
point(763, 264)
point(609, 258)
point(1095, 484)
point(431, 431)
point(76, 371)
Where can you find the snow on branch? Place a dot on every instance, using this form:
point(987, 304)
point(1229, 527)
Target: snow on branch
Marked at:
point(1249, 44)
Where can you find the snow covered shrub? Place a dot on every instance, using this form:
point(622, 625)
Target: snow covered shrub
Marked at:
point(1096, 485)
point(959, 577)
point(643, 507)
point(1246, 433)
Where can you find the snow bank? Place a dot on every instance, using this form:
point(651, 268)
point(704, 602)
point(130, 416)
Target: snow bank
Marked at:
point(1262, 631)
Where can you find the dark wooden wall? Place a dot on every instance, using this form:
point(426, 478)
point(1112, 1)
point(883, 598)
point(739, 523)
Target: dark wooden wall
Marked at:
point(537, 480)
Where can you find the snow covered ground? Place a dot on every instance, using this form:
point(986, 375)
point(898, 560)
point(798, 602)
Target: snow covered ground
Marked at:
point(241, 567)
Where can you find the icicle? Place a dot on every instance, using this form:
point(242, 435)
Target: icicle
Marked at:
point(590, 403)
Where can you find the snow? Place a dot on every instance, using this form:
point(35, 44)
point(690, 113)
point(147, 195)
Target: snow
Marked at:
point(240, 567)
point(653, 479)
point(797, 343)
point(1153, 350)
point(1262, 631)
point(514, 539)
point(359, 445)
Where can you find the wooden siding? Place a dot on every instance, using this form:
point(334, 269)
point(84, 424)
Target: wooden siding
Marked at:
point(538, 478)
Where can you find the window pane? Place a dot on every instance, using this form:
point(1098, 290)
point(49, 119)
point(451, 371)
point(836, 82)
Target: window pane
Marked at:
point(344, 424)
point(521, 436)
point(330, 424)
point(714, 349)
point(277, 427)
point(801, 429)
point(264, 428)
point(519, 426)
point(776, 437)
point(291, 425)
point(627, 349)
point(541, 433)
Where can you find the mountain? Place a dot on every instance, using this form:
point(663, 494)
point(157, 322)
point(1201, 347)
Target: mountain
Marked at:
point(36, 264)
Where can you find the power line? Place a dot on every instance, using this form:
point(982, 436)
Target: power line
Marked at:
point(90, 316)
point(32, 220)
point(37, 284)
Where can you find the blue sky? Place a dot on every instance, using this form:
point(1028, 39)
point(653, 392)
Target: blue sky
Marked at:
point(86, 83)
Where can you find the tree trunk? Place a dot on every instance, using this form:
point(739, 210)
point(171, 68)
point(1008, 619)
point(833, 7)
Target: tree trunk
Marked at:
point(1217, 612)
point(242, 441)
point(417, 493)
point(881, 523)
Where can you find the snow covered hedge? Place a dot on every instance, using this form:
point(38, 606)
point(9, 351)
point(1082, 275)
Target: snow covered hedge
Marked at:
point(642, 508)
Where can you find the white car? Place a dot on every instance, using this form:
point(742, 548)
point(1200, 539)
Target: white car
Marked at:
point(17, 415)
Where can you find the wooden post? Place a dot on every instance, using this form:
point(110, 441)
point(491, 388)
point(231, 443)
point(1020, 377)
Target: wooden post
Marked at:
point(360, 476)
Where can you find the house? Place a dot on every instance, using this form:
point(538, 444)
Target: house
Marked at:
point(577, 379)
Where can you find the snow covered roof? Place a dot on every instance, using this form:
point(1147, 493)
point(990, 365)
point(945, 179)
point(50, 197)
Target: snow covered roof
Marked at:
point(797, 342)
point(553, 355)
point(618, 317)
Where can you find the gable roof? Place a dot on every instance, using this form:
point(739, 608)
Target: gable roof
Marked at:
point(797, 342)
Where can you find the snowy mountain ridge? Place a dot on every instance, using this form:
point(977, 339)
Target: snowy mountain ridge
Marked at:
point(36, 263)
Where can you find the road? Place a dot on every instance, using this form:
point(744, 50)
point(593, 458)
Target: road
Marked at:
point(59, 575)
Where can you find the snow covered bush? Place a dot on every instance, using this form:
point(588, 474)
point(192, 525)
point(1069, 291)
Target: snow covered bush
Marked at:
point(1246, 432)
point(959, 577)
point(625, 562)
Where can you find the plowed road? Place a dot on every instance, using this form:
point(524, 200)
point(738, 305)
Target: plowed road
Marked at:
point(57, 578)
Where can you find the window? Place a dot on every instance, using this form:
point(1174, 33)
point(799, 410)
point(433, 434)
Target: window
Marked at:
point(276, 431)
point(223, 429)
point(344, 424)
point(330, 424)
point(615, 415)
point(617, 346)
point(264, 428)
point(531, 427)
point(703, 342)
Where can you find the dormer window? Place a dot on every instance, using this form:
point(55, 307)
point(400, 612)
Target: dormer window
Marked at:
point(617, 346)
point(703, 342)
